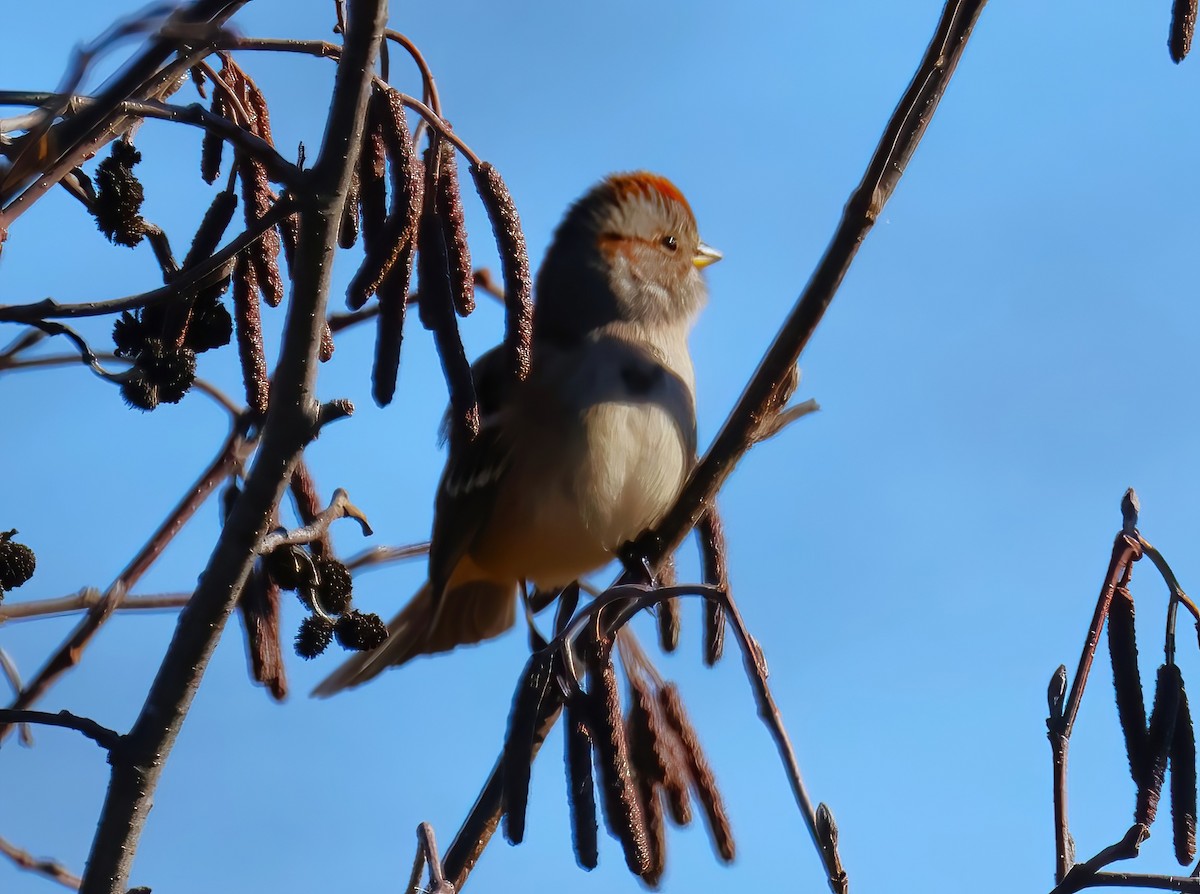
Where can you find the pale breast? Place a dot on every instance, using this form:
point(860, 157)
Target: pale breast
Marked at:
point(601, 458)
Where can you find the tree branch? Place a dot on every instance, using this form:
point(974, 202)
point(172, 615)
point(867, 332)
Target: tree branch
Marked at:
point(291, 422)
point(103, 736)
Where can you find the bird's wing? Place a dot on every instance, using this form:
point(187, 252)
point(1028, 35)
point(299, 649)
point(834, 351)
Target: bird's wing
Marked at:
point(474, 469)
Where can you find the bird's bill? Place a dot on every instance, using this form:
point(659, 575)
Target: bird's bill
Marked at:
point(705, 255)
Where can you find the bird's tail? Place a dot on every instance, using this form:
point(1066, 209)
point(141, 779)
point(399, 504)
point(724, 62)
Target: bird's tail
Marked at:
point(469, 613)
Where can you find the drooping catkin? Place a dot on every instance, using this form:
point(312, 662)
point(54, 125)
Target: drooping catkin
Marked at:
point(581, 791)
point(372, 174)
point(1158, 742)
point(514, 260)
point(436, 305)
point(518, 744)
point(1183, 782)
point(704, 783)
point(212, 145)
point(622, 808)
point(1183, 27)
point(259, 610)
point(400, 226)
point(1127, 681)
point(248, 326)
point(454, 232)
point(389, 330)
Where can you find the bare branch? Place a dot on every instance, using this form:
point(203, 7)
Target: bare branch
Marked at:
point(103, 736)
point(50, 869)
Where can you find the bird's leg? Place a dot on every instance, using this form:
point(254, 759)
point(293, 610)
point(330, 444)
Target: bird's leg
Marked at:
point(635, 556)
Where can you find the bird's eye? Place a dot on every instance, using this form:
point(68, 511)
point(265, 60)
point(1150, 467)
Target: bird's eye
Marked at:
point(669, 243)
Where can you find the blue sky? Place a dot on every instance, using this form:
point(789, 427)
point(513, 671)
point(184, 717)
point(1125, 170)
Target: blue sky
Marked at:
point(1012, 349)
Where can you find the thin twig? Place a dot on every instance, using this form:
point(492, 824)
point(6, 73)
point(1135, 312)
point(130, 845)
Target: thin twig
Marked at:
point(69, 653)
point(339, 507)
point(103, 736)
point(205, 273)
point(50, 869)
point(85, 599)
point(383, 555)
point(13, 676)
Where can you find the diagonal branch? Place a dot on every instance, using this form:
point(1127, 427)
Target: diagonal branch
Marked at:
point(103, 736)
point(291, 423)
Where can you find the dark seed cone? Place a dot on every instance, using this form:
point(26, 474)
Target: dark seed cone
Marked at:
point(704, 783)
point(259, 610)
point(1127, 681)
point(250, 336)
point(372, 173)
point(1183, 27)
point(210, 325)
point(129, 336)
point(622, 808)
point(171, 369)
point(389, 330)
point(212, 146)
point(286, 568)
point(400, 227)
point(454, 233)
point(119, 196)
point(314, 636)
point(360, 631)
point(17, 562)
point(581, 791)
point(1183, 782)
point(716, 572)
point(514, 259)
point(517, 758)
point(336, 585)
point(1158, 742)
point(139, 394)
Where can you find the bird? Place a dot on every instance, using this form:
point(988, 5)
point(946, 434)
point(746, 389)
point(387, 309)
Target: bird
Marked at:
point(591, 449)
